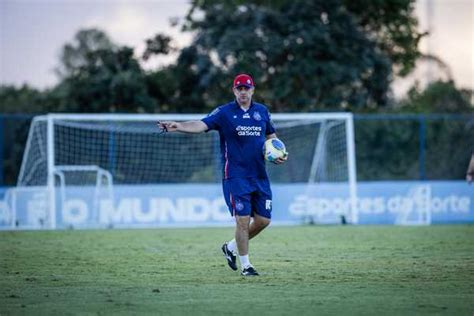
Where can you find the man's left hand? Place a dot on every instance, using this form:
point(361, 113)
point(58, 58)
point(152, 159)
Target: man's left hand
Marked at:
point(279, 161)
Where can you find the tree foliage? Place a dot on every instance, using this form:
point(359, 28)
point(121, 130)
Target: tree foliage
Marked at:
point(304, 55)
point(159, 44)
point(393, 26)
point(437, 97)
point(24, 99)
point(99, 76)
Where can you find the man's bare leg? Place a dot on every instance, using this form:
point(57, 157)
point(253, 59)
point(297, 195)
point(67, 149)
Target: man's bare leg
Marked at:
point(258, 224)
point(242, 234)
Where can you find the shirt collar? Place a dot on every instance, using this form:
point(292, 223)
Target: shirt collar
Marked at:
point(237, 106)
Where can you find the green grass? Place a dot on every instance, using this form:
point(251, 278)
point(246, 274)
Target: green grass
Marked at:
point(306, 270)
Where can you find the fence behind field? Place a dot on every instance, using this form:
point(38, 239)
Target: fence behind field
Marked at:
point(388, 147)
point(413, 147)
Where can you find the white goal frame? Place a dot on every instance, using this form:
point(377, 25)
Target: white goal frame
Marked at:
point(54, 171)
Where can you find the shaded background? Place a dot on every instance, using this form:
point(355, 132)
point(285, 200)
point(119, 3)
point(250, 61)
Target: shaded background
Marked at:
point(404, 67)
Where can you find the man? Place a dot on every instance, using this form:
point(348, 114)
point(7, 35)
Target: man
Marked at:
point(470, 170)
point(243, 127)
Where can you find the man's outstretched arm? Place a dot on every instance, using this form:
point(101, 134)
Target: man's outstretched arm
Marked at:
point(184, 127)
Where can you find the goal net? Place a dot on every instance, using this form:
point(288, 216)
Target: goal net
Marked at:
point(94, 154)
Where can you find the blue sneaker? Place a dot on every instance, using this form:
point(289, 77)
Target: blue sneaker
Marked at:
point(249, 271)
point(231, 258)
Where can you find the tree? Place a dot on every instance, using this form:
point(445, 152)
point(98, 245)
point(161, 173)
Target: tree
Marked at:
point(99, 76)
point(79, 54)
point(159, 44)
point(304, 55)
point(393, 26)
point(181, 88)
point(19, 100)
point(438, 97)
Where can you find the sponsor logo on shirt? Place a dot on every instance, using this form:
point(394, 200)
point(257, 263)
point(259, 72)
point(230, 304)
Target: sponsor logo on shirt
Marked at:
point(248, 130)
point(246, 115)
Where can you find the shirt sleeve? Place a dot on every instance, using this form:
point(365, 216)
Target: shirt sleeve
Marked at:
point(270, 129)
point(212, 120)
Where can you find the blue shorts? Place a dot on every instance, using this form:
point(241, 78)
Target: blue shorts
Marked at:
point(247, 196)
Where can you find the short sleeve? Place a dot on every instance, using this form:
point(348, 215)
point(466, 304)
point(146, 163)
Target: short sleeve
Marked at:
point(270, 129)
point(212, 120)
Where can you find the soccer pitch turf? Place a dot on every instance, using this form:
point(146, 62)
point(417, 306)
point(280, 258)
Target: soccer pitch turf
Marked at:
point(305, 270)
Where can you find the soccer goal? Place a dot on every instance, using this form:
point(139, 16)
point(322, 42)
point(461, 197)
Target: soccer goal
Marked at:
point(69, 157)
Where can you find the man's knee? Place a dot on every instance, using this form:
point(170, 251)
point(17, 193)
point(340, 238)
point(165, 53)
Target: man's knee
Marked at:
point(266, 222)
point(242, 222)
point(262, 221)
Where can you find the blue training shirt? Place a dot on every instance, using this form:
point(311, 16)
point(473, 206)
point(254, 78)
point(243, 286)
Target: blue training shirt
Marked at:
point(242, 135)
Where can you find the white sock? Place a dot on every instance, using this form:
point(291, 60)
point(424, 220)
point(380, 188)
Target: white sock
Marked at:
point(232, 246)
point(244, 261)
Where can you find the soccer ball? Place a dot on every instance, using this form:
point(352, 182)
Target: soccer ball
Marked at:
point(274, 149)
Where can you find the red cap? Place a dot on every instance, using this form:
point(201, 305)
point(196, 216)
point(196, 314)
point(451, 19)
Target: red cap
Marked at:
point(243, 80)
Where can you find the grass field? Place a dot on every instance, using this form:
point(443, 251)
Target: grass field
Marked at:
point(306, 270)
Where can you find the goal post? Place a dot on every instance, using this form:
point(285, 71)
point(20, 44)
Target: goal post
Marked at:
point(95, 153)
point(328, 162)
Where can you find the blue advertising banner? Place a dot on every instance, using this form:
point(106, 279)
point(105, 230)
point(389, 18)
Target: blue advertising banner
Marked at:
point(178, 205)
